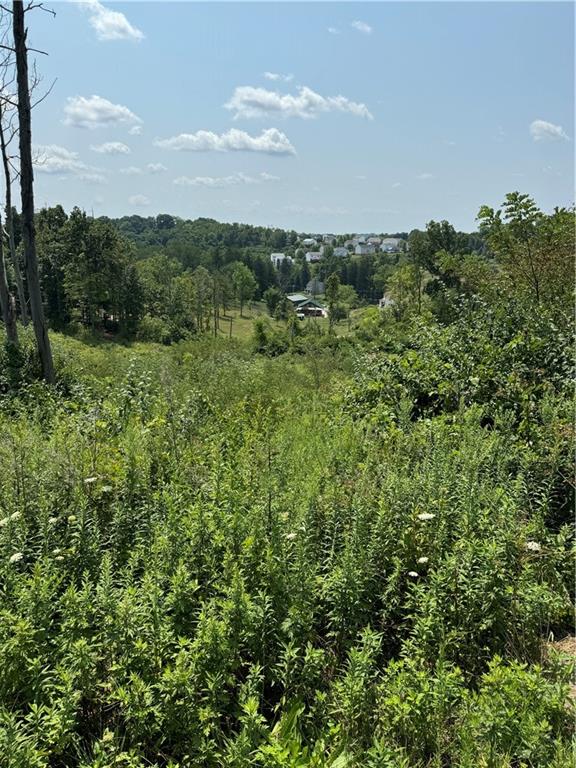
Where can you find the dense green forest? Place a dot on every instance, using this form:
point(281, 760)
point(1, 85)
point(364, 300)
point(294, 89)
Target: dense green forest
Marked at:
point(322, 545)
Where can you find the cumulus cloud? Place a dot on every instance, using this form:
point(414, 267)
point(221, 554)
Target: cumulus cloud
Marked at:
point(333, 31)
point(278, 77)
point(248, 102)
point(156, 168)
point(96, 112)
point(424, 176)
point(138, 200)
point(223, 181)
point(111, 148)
point(53, 159)
point(110, 25)
point(271, 141)
point(361, 26)
point(136, 130)
point(542, 130)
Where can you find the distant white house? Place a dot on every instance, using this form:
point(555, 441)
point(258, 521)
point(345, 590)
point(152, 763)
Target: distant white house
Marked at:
point(385, 301)
point(309, 242)
point(340, 251)
point(313, 256)
point(278, 258)
point(374, 241)
point(364, 249)
point(390, 244)
point(329, 239)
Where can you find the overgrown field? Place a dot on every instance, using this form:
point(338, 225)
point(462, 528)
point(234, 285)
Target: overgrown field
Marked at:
point(349, 556)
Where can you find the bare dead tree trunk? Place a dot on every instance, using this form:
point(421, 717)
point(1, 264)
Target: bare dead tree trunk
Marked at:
point(27, 193)
point(6, 301)
point(10, 225)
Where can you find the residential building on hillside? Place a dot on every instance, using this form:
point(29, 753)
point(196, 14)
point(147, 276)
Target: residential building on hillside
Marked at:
point(309, 242)
point(313, 256)
point(340, 251)
point(278, 258)
point(304, 306)
point(364, 249)
point(390, 244)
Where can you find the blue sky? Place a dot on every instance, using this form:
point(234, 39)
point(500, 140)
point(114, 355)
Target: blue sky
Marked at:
point(323, 116)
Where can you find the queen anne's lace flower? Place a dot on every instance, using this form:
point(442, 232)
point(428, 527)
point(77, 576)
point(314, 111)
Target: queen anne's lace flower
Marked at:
point(422, 560)
point(533, 546)
point(16, 557)
point(426, 516)
point(413, 574)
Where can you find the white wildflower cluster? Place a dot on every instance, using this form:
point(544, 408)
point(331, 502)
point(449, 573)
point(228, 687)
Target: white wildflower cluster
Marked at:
point(426, 516)
point(10, 519)
point(16, 557)
point(533, 546)
point(422, 560)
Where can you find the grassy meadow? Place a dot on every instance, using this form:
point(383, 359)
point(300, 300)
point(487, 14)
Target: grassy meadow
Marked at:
point(212, 557)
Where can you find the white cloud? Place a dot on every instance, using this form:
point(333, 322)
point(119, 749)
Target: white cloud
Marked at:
point(138, 200)
point(111, 148)
point(541, 130)
point(248, 102)
point(333, 31)
point(396, 185)
point(136, 130)
point(95, 112)
point(277, 77)
point(361, 26)
point(424, 176)
point(131, 171)
point(52, 158)
point(271, 141)
point(223, 181)
point(110, 25)
point(156, 168)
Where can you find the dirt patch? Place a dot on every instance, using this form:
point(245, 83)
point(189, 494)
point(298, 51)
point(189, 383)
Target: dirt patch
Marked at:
point(566, 647)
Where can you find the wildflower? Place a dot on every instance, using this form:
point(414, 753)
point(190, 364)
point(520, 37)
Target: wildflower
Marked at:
point(16, 557)
point(56, 551)
point(59, 558)
point(90, 480)
point(533, 546)
point(291, 536)
point(72, 518)
point(426, 516)
point(413, 574)
point(4, 521)
point(422, 560)
point(15, 516)
point(52, 520)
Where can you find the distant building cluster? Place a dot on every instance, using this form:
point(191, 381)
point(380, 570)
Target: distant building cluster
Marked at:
point(359, 245)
